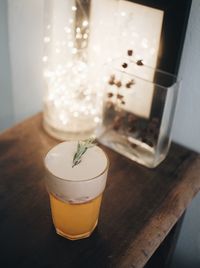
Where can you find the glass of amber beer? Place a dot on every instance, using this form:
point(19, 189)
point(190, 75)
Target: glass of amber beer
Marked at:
point(75, 191)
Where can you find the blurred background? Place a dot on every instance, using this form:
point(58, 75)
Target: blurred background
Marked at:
point(21, 93)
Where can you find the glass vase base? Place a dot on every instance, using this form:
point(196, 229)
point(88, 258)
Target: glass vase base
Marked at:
point(133, 149)
point(67, 135)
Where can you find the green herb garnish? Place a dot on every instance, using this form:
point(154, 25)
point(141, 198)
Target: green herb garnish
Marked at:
point(81, 149)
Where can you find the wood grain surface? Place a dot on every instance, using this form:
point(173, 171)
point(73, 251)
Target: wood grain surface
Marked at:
point(140, 206)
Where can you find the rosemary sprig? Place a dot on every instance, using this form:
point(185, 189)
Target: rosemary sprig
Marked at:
point(81, 149)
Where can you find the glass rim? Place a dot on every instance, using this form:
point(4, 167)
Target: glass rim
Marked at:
point(77, 180)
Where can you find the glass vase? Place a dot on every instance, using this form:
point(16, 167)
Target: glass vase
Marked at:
point(72, 101)
point(138, 111)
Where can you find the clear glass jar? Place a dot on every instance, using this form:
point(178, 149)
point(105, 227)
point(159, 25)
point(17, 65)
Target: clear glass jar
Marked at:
point(138, 111)
point(73, 99)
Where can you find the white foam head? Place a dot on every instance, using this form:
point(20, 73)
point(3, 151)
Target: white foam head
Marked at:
point(80, 183)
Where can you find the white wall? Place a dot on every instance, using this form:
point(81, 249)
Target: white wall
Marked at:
point(6, 100)
point(187, 132)
point(186, 129)
point(25, 20)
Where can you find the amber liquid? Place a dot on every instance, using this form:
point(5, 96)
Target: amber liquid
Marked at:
point(75, 221)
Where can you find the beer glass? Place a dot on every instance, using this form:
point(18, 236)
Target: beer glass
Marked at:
point(75, 191)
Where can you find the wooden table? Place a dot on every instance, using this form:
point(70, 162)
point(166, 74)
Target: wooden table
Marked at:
point(140, 206)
